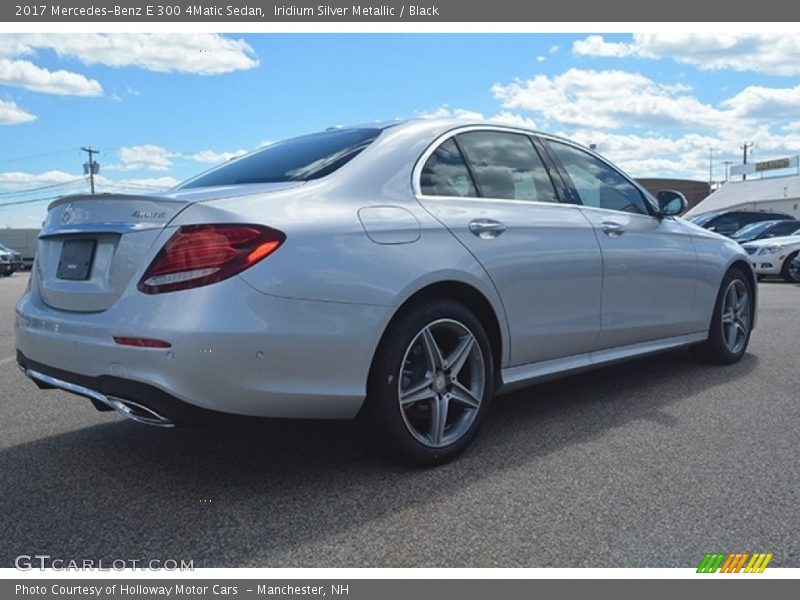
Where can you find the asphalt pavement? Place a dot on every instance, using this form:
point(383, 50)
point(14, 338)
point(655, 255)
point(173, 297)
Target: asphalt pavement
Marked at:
point(647, 464)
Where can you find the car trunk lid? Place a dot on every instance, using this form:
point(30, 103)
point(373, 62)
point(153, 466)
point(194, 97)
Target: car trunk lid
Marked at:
point(91, 246)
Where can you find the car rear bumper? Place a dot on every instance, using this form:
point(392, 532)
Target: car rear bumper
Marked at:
point(233, 350)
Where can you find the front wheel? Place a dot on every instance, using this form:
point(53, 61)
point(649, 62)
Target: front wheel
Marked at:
point(430, 385)
point(731, 323)
point(791, 270)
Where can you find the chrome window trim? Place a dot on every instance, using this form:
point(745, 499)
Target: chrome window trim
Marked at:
point(416, 174)
point(654, 208)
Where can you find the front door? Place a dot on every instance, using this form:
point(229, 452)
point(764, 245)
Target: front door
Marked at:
point(649, 264)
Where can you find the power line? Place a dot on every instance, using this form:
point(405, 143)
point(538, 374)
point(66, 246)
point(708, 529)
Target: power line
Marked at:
point(42, 155)
point(44, 187)
point(33, 201)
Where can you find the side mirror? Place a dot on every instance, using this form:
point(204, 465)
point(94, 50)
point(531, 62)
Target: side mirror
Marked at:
point(671, 203)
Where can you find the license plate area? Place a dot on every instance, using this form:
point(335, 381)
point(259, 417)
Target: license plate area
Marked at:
point(76, 259)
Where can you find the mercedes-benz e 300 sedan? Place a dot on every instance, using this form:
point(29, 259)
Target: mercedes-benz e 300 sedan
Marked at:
point(401, 274)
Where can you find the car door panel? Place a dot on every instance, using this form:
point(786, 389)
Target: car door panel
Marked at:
point(649, 278)
point(543, 258)
point(649, 264)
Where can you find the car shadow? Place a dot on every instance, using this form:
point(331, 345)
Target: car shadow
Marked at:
point(246, 496)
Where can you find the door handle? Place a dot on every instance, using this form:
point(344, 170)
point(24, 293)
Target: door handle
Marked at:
point(612, 229)
point(486, 229)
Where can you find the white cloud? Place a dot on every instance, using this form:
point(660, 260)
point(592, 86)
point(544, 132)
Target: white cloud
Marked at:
point(651, 128)
point(132, 185)
point(771, 53)
point(445, 112)
point(772, 104)
point(11, 114)
point(504, 117)
point(509, 118)
point(541, 58)
point(21, 180)
point(25, 74)
point(198, 53)
point(554, 49)
point(595, 45)
point(612, 99)
point(212, 157)
point(146, 156)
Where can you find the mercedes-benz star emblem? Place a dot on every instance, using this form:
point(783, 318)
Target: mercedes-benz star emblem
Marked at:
point(66, 216)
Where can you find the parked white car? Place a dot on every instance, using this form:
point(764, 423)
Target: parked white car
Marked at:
point(774, 255)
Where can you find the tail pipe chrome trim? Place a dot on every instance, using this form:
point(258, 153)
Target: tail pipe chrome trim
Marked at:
point(127, 408)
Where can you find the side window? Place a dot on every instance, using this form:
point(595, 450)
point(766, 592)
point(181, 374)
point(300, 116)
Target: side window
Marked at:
point(785, 228)
point(445, 173)
point(598, 184)
point(726, 224)
point(507, 166)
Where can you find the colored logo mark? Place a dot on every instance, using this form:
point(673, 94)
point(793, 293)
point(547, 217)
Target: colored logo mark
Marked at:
point(734, 562)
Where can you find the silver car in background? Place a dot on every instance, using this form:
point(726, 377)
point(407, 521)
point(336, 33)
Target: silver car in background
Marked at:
point(398, 273)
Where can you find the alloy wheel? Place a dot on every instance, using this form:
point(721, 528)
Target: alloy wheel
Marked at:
point(736, 316)
point(441, 384)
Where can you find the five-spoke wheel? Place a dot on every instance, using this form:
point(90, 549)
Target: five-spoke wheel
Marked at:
point(731, 322)
point(430, 384)
point(441, 383)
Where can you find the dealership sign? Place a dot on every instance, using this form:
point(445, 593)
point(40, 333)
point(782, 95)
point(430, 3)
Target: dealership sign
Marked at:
point(790, 162)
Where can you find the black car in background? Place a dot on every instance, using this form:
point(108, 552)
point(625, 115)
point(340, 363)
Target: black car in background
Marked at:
point(766, 229)
point(728, 223)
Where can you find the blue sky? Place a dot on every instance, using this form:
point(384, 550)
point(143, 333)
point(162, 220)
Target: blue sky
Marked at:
point(161, 108)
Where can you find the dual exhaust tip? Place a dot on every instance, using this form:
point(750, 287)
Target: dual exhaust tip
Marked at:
point(127, 408)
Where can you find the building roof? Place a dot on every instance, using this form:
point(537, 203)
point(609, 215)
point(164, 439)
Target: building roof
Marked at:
point(736, 193)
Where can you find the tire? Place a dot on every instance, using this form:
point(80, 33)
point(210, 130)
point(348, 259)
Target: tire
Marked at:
point(787, 273)
point(407, 360)
point(728, 336)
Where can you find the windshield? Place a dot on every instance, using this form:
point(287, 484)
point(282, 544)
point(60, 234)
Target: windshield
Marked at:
point(752, 230)
point(703, 219)
point(297, 159)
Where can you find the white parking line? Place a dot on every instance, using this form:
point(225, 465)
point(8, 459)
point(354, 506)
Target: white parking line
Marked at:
point(7, 360)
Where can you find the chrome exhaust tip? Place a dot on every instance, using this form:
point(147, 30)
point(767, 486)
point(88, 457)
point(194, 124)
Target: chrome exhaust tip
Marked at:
point(127, 408)
point(138, 412)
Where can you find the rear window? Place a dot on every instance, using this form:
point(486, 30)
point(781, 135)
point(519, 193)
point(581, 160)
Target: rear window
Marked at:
point(297, 159)
point(784, 228)
point(703, 219)
point(753, 229)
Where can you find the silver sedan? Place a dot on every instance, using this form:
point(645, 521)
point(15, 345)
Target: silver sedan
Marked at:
point(400, 273)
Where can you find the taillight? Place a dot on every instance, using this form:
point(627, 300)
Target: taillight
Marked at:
point(202, 254)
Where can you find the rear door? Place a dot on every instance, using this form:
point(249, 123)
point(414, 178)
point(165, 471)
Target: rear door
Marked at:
point(491, 189)
point(650, 266)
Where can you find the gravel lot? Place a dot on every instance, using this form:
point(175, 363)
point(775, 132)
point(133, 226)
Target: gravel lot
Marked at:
point(647, 464)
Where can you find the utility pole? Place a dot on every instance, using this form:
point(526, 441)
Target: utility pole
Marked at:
point(711, 166)
point(91, 168)
point(744, 148)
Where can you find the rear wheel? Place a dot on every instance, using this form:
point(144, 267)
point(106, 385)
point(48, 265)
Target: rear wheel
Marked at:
point(790, 272)
point(731, 323)
point(430, 385)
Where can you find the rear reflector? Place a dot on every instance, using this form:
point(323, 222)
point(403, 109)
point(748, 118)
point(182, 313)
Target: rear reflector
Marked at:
point(141, 342)
point(199, 255)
